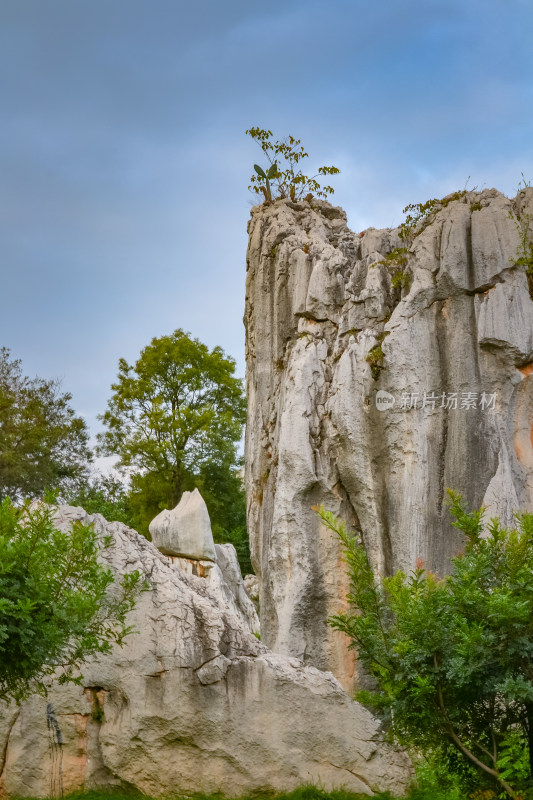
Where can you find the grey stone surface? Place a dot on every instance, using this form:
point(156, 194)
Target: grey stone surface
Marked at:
point(226, 583)
point(317, 302)
point(193, 703)
point(251, 585)
point(185, 530)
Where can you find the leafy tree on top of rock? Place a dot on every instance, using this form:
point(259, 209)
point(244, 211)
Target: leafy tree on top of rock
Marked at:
point(284, 174)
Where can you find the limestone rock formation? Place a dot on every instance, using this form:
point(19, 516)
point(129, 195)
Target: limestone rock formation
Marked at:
point(193, 703)
point(186, 530)
point(327, 328)
point(251, 584)
point(226, 583)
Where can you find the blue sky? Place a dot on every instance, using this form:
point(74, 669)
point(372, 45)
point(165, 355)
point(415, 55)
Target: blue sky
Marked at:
point(124, 166)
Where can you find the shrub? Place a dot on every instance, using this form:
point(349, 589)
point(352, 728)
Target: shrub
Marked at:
point(452, 658)
point(287, 179)
point(56, 609)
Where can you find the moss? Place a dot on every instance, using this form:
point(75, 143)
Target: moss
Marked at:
point(352, 332)
point(476, 206)
point(97, 711)
point(401, 279)
point(524, 255)
point(396, 261)
point(376, 356)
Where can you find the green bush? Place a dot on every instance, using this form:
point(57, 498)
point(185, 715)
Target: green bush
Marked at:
point(55, 607)
point(452, 658)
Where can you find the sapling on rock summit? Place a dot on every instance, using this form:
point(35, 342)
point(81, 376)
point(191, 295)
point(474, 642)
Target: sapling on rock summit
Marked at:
point(288, 182)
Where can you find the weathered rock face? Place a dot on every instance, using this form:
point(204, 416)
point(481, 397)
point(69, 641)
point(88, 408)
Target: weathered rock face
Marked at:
point(319, 306)
point(192, 703)
point(185, 530)
point(226, 583)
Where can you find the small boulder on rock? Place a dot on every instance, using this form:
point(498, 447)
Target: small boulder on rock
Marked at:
point(185, 531)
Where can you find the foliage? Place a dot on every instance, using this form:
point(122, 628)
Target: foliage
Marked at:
point(56, 607)
point(43, 445)
point(222, 488)
point(97, 711)
point(376, 356)
point(420, 215)
point(106, 495)
point(452, 658)
point(396, 262)
point(175, 419)
point(287, 179)
point(524, 255)
point(309, 792)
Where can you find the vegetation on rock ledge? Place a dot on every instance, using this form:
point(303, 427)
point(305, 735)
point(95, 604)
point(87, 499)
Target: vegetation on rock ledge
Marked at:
point(287, 179)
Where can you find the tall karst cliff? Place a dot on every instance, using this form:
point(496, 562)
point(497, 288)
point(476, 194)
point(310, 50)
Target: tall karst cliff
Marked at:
point(328, 326)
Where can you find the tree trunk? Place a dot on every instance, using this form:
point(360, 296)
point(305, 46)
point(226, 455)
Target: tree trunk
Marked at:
point(529, 714)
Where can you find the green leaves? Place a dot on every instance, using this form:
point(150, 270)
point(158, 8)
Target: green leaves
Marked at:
point(288, 180)
point(174, 419)
point(56, 610)
point(43, 445)
point(419, 215)
point(524, 226)
point(452, 658)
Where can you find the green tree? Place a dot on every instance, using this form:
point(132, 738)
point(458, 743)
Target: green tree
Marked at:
point(43, 444)
point(107, 495)
point(452, 658)
point(175, 419)
point(223, 491)
point(56, 609)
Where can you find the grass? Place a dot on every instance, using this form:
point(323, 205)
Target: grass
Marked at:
point(429, 792)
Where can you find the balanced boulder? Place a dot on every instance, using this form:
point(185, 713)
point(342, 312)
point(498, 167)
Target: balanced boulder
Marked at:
point(186, 530)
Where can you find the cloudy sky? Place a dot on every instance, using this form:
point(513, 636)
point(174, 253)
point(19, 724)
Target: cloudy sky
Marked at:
point(124, 165)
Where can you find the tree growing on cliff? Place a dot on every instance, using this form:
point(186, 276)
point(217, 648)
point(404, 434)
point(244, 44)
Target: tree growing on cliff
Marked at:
point(56, 609)
point(175, 419)
point(284, 174)
point(452, 658)
point(43, 444)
